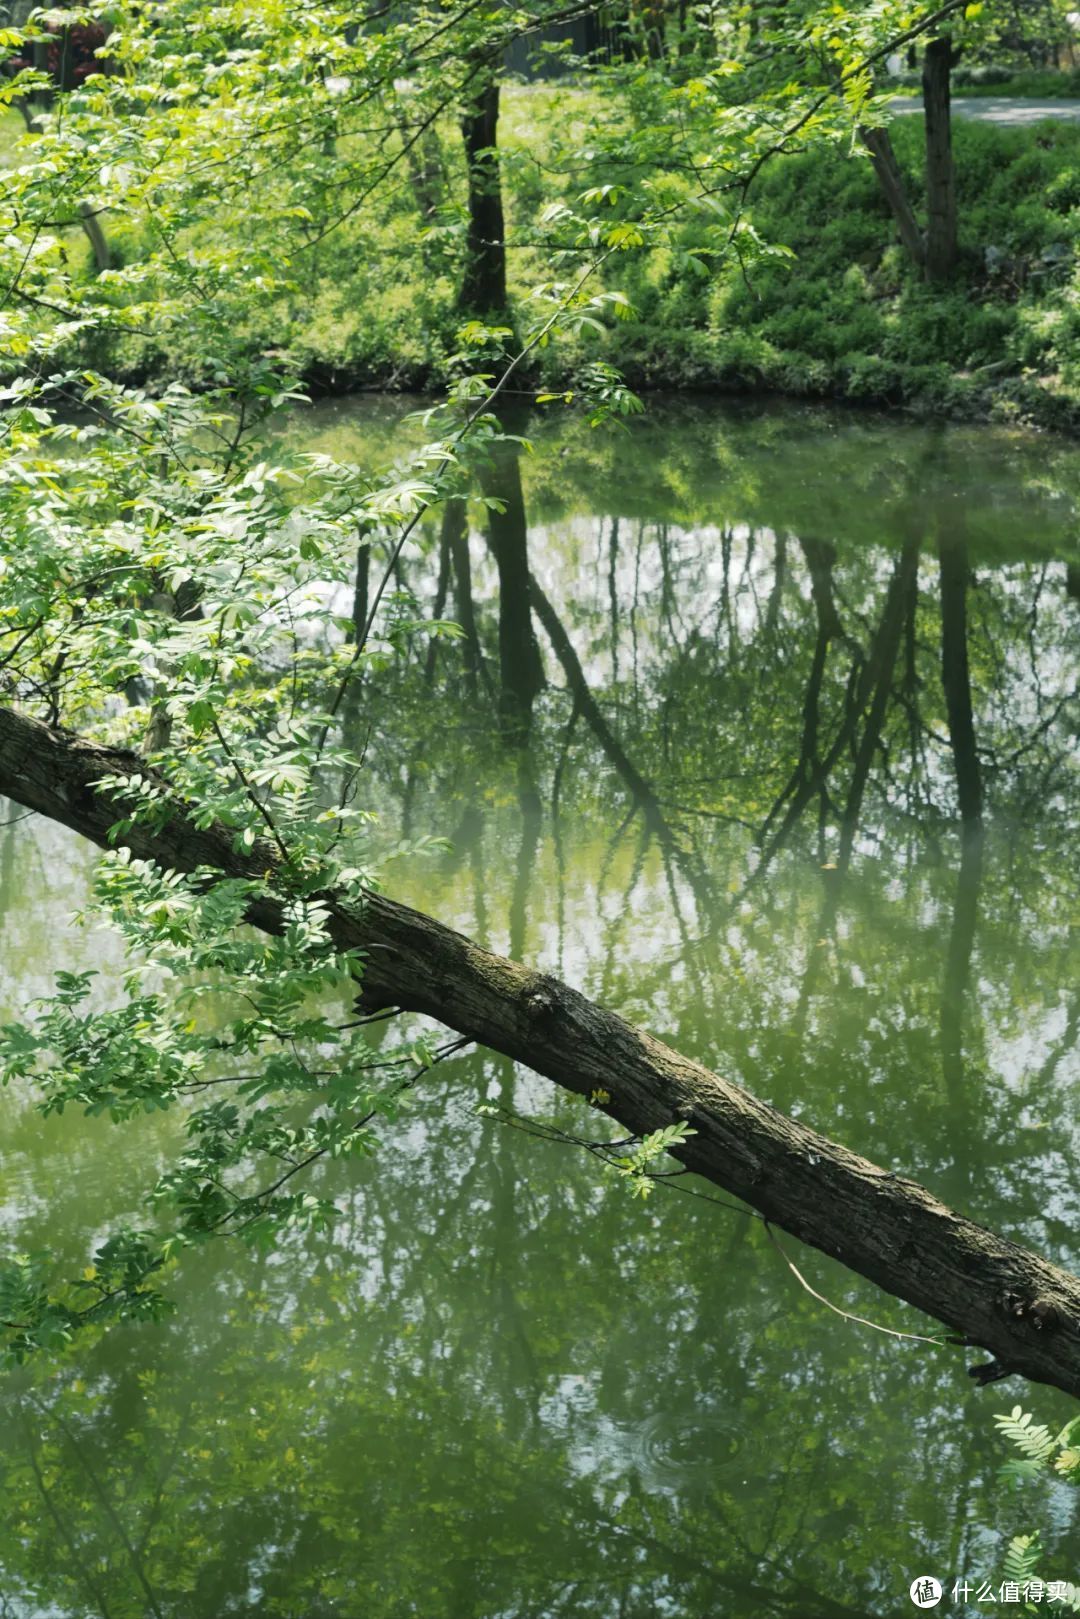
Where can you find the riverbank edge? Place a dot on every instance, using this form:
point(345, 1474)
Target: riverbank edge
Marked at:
point(1007, 401)
point(1012, 402)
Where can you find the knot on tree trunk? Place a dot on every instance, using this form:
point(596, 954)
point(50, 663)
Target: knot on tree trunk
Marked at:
point(541, 997)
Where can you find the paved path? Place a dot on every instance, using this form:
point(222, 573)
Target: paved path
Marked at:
point(1000, 109)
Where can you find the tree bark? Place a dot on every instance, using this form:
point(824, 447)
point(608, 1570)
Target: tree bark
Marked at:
point(95, 235)
point(891, 181)
point(360, 590)
point(1016, 1305)
point(483, 286)
point(424, 160)
point(940, 174)
point(647, 23)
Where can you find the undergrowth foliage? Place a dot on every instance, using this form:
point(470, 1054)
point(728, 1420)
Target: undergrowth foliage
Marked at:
point(1040, 1452)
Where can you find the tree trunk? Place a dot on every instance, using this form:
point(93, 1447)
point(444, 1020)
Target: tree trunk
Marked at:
point(1021, 1308)
point(940, 175)
point(483, 286)
point(891, 181)
point(424, 161)
point(641, 791)
point(870, 741)
point(802, 787)
point(521, 670)
point(647, 27)
point(89, 218)
point(95, 235)
point(956, 684)
point(442, 586)
point(360, 591)
point(456, 527)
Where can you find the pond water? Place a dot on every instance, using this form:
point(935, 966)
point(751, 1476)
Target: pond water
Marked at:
point(817, 828)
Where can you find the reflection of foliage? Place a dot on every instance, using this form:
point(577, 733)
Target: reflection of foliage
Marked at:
point(482, 1360)
point(577, 1417)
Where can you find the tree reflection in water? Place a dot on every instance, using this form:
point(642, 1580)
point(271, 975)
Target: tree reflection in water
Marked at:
point(763, 729)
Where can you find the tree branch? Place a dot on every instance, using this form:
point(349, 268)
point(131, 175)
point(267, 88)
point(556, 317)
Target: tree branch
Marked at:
point(993, 1292)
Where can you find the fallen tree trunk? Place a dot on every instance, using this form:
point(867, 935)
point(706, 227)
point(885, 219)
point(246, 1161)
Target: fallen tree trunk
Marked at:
point(1022, 1309)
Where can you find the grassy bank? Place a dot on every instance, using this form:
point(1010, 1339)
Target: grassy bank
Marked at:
point(848, 317)
point(1017, 83)
point(1040, 83)
point(844, 317)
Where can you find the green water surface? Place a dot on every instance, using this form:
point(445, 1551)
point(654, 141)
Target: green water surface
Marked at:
point(503, 1388)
